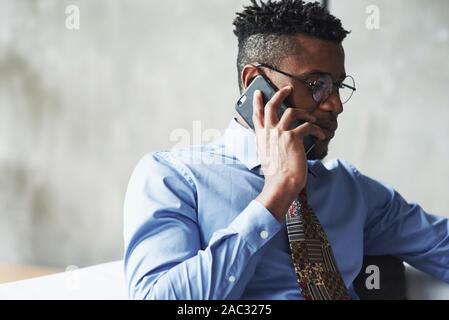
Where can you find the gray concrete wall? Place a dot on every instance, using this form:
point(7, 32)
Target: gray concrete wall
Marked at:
point(78, 108)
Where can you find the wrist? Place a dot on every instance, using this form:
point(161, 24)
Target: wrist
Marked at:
point(288, 186)
point(277, 196)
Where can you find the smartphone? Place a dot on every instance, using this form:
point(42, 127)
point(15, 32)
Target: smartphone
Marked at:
point(244, 106)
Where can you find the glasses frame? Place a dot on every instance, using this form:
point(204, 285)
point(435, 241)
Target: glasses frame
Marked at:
point(312, 85)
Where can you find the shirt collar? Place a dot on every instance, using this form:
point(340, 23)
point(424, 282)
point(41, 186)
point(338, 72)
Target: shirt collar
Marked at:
point(241, 142)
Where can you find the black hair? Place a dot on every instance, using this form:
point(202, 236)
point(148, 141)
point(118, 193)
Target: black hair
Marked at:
point(264, 30)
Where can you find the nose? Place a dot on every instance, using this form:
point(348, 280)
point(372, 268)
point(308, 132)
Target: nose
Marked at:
point(332, 103)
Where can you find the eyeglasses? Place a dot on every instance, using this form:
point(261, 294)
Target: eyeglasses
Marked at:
point(322, 87)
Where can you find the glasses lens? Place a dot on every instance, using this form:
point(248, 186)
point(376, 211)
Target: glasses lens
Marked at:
point(322, 88)
point(346, 89)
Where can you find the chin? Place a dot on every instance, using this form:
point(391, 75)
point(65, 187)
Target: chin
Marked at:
point(320, 150)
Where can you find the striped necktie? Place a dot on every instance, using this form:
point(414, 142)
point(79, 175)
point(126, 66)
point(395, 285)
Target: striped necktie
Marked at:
point(314, 262)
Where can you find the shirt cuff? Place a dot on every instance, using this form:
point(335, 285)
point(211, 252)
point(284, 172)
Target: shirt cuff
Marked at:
point(256, 225)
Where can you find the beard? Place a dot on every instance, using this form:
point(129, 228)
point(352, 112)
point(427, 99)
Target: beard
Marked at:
point(319, 151)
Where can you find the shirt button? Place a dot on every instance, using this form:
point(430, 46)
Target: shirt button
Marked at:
point(264, 234)
point(231, 279)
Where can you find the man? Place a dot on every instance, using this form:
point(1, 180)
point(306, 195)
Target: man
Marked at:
point(209, 222)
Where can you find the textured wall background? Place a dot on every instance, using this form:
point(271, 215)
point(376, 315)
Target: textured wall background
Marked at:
point(78, 108)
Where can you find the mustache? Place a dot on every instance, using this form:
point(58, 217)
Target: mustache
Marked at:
point(329, 123)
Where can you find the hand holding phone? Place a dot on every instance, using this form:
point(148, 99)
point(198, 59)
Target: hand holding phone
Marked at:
point(244, 106)
point(280, 145)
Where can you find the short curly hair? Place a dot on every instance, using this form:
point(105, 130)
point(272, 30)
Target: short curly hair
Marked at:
point(264, 30)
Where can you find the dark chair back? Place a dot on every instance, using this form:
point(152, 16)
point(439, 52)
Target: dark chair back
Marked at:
point(392, 283)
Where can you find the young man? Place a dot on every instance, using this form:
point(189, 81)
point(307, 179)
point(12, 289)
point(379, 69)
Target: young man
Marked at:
point(252, 216)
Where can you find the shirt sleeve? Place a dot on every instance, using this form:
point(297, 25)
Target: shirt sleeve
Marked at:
point(395, 227)
point(163, 254)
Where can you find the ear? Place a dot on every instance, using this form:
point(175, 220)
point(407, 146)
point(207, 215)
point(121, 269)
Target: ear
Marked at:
point(249, 72)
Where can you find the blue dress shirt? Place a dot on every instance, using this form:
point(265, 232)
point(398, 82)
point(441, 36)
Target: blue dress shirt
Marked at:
point(193, 230)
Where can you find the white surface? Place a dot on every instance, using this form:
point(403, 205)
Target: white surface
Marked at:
point(106, 281)
point(421, 286)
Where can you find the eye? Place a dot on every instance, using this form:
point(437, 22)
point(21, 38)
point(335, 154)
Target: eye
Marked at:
point(316, 84)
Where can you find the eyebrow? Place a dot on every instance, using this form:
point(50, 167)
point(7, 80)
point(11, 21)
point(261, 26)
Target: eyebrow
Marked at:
point(320, 72)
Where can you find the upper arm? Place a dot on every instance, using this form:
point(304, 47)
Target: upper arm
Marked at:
point(160, 220)
point(395, 227)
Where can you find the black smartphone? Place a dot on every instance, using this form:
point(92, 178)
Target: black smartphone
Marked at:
point(244, 106)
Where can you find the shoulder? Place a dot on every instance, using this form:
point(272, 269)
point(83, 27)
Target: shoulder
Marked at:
point(341, 167)
point(369, 186)
point(203, 154)
point(181, 162)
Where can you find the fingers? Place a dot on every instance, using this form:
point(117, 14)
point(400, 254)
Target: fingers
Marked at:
point(258, 112)
point(267, 117)
point(292, 114)
point(309, 129)
point(272, 106)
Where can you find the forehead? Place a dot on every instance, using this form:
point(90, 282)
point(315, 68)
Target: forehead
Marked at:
point(315, 54)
